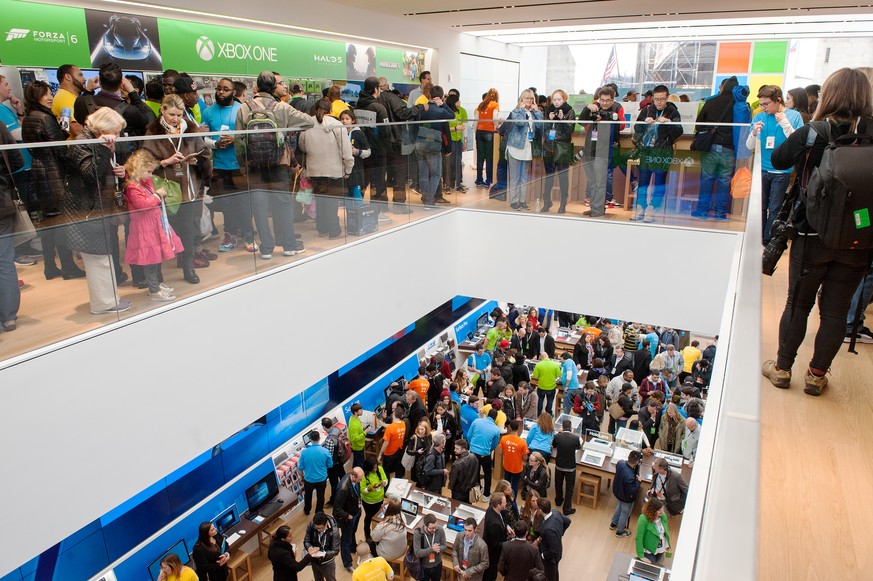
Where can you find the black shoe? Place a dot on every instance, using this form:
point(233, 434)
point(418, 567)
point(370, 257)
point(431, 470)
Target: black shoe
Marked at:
point(513, 206)
point(141, 284)
point(121, 278)
point(562, 209)
point(191, 276)
point(545, 209)
point(78, 273)
point(569, 512)
point(612, 527)
point(524, 206)
point(441, 200)
point(53, 272)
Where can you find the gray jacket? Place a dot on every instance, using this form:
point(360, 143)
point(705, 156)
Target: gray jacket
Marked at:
point(477, 557)
point(689, 444)
point(422, 546)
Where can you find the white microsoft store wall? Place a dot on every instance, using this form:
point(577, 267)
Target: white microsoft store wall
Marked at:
point(107, 415)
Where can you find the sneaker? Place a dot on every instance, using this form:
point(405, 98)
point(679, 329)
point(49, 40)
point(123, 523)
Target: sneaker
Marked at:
point(229, 243)
point(251, 247)
point(428, 208)
point(266, 256)
point(121, 278)
point(292, 251)
point(480, 184)
point(865, 335)
point(611, 204)
point(25, 261)
point(513, 206)
point(200, 263)
point(461, 189)
point(612, 527)
point(20, 283)
point(623, 534)
point(700, 215)
point(720, 218)
point(383, 217)
point(169, 289)
point(587, 201)
point(208, 256)
point(122, 306)
point(649, 215)
point(588, 213)
point(9, 326)
point(524, 206)
point(781, 378)
point(637, 214)
point(814, 384)
point(442, 200)
point(162, 296)
point(400, 209)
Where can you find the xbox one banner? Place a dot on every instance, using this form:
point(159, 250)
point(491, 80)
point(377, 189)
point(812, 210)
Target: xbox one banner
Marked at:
point(207, 48)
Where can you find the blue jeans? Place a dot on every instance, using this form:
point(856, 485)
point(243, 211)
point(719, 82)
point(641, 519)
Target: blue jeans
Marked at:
point(275, 201)
point(621, 516)
point(430, 169)
point(716, 167)
point(456, 179)
point(546, 395)
point(10, 294)
point(659, 189)
point(773, 188)
point(863, 293)
point(347, 539)
point(514, 480)
point(518, 171)
point(569, 398)
point(655, 559)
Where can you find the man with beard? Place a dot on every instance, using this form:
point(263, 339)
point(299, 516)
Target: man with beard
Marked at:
point(221, 116)
point(73, 84)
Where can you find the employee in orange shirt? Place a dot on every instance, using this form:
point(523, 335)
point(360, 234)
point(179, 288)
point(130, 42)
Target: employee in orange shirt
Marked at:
point(392, 446)
point(420, 384)
point(514, 454)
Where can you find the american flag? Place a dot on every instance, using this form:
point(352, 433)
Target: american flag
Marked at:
point(610, 67)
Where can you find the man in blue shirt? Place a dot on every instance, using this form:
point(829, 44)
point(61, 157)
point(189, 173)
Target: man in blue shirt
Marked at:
point(313, 465)
point(570, 380)
point(236, 207)
point(771, 127)
point(484, 436)
point(477, 364)
point(469, 414)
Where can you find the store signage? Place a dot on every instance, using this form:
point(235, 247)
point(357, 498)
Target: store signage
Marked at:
point(43, 35)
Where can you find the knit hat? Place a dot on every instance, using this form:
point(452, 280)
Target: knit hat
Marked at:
point(445, 393)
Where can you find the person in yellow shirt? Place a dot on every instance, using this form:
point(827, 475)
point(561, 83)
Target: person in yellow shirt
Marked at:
point(172, 569)
point(501, 416)
point(371, 568)
point(690, 354)
point(337, 105)
point(73, 84)
point(424, 98)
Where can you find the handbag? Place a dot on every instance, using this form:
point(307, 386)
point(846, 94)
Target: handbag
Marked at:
point(408, 460)
point(703, 138)
point(430, 139)
point(173, 198)
point(476, 494)
point(23, 230)
point(615, 410)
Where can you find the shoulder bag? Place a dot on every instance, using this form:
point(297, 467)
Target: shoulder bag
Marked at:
point(615, 410)
point(703, 138)
point(174, 192)
point(22, 229)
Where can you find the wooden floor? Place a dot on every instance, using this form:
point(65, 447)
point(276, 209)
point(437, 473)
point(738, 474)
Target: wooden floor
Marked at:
point(816, 469)
point(55, 310)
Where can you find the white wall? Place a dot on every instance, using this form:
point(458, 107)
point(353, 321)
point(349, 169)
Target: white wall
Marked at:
point(103, 418)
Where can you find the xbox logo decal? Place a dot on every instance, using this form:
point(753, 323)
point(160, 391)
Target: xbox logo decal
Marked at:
point(205, 48)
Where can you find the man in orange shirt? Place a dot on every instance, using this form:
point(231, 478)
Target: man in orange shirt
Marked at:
point(420, 384)
point(392, 446)
point(514, 453)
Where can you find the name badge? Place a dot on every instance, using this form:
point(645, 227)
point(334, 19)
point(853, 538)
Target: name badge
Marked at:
point(594, 135)
point(431, 558)
point(552, 134)
point(771, 142)
point(530, 135)
point(177, 169)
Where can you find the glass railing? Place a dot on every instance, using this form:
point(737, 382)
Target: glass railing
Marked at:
point(106, 248)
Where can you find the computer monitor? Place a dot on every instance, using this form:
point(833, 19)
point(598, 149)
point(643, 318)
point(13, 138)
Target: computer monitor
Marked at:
point(180, 548)
point(226, 519)
point(262, 492)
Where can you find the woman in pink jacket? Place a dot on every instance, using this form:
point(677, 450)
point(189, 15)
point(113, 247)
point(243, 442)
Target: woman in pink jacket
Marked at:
point(150, 239)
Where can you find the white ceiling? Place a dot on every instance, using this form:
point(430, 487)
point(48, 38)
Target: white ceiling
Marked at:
point(544, 22)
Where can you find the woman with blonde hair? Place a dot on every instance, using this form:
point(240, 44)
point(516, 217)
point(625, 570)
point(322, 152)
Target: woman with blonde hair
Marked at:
point(172, 568)
point(485, 131)
point(88, 205)
point(523, 132)
point(558, 149)
point(536, 476)
point(184, 159)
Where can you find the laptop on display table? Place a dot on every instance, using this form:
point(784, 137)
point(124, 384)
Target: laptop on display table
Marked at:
point(409, 512)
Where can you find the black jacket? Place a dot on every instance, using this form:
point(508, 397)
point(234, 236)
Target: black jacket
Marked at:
point(551, 532)
point(48, 169)
point(347, 501)
point(434, 477)
point(675, 491)
point(517, 559)
point(464, 474)
point(398, 112)
point(414, 414)
point(642, 359)
point(536, 479)
point(136, 113)
point(650, 425)
point(616, 368)
point(435, 389)
point(666, 134)
point(90, 197)
point(329, 542)
point(520, 372)
point(720, 109)
point(285, 563)
point(379, 137)
point(581, 356)
point(549, 346)
point(206, 561)
point(566, 444)
point(494, 534)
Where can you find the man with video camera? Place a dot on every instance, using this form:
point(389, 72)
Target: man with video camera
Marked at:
point(595, 160)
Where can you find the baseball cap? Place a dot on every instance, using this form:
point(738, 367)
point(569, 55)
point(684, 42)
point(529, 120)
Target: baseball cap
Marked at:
point(504, 344)
point(185, 85)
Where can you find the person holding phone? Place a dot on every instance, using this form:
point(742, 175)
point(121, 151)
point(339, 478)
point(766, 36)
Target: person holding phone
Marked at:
point(210, 554)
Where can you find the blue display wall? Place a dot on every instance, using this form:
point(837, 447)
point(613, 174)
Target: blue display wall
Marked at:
point(234, 464)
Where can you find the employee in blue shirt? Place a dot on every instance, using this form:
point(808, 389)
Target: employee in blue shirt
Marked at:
point(313, 464)
point(484, 437)
point(570, 380)
point(477, 364)
point(469, 414)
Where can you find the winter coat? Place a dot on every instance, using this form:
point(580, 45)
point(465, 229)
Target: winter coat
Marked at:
point(90, 198)
point(147, 241)
point(48, 170)
point(328, 150)
point(200, 173)
point(379, 137)
point(285, 563)
point(559, 149)
point(665, 135)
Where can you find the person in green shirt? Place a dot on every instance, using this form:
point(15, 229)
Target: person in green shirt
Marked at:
point(372, 492)
point(545, 377)
point(356, 435)
point(459, 141)
point(497, 333)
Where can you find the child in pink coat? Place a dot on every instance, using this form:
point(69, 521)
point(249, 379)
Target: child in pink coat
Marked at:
point(150, 239)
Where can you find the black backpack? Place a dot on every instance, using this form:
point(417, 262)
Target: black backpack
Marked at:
point(838, 194)
point(263, 149)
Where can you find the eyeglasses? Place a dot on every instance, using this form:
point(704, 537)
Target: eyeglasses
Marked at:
point(764, 104)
